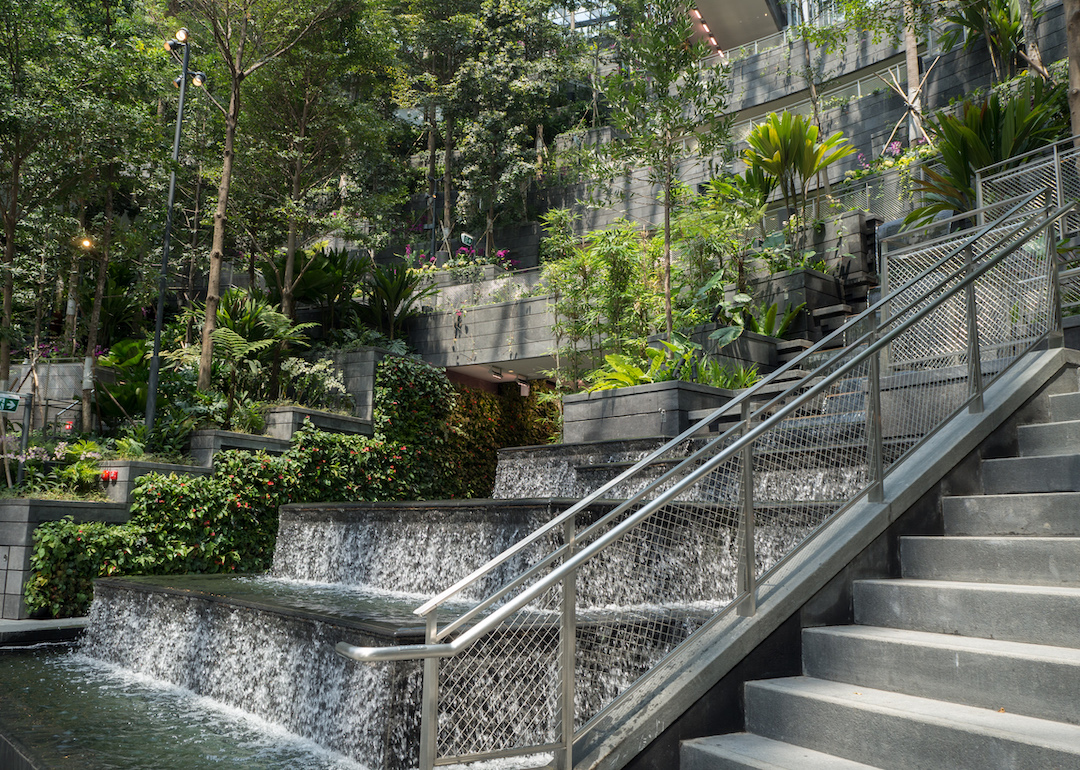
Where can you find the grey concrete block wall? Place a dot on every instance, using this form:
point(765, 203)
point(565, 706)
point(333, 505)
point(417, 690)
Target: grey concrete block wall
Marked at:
point(18, 520)
point(358, 370)
point(488, 334)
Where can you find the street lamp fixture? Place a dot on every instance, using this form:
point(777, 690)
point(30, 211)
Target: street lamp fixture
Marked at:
point(174, 46)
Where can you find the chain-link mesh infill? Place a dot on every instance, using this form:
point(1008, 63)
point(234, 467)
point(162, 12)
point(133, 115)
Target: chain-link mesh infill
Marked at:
point(1058, 170)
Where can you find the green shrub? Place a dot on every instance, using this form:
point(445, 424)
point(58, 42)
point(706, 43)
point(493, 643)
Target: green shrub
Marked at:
point(68, 556)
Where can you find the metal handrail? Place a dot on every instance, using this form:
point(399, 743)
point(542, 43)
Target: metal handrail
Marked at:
point(572, 555)
point(404, 652)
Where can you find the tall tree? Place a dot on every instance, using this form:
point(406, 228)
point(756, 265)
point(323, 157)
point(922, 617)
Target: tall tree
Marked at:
point(438, 36)
point(34, 120)
point(119, 137)
point(249, 35)
point(511, 82)
point(312, 141)
point(667, 98)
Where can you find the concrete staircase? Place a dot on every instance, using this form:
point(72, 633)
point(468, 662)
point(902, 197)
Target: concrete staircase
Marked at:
point(970, 660)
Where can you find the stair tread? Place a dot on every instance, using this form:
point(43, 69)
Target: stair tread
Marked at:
point(1017, 588)
point(976, 644)
point(760, 753)
point(1058, 736)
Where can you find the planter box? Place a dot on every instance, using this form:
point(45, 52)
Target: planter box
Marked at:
point(283, 421)
point(207, 443)
point(819, 291)
point(18, 519)
point(119, 491)
point(641, 411)
point(490, 334)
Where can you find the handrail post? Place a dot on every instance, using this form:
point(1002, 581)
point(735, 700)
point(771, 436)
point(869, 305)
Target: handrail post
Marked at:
point(1059, 193)
point(979, 202)
point(429, 706)
point(564, 758)
point(875, 441)
point(975, 381)
point(748, 562)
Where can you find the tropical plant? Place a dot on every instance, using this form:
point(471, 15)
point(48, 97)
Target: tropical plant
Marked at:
point(680, 359)
point(121, 385)
point(786, 147)
point(987, 132)
point(392, 295)
point(996, 22)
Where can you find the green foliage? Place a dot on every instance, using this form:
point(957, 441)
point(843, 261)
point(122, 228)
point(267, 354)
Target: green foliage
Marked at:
point(996, 129)
point(997, 23)
point(392, 295)
point(68, 556)
point(606, 294)
point(742, 314)
point(227, 522)
point(680, 359)
point(786, 147)
point(317, 384)
point(412, 406)
point(121, 396)
point(484, 422)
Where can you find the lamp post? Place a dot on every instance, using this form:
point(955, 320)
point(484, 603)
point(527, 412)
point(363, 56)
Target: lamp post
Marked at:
point(172, 46)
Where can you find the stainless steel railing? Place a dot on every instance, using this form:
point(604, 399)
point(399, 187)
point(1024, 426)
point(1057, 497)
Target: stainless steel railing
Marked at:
point(600, 599)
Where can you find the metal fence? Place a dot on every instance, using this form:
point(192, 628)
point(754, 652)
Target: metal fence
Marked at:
point(601, 598)
point(1056, 168)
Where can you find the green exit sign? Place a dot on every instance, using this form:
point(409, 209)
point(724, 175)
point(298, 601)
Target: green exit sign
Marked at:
point(9, 402)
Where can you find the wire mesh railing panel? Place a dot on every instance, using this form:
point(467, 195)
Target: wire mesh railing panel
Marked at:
point(501, 694)
point(808, 463)
point(889, 196)
point(1057, 169)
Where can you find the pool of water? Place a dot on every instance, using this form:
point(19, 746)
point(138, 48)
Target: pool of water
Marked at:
point(72, 711)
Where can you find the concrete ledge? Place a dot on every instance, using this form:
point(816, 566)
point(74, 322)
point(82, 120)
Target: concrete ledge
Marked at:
point(657, 409)
point(119, 491)
point(18, 519)
point(283, 421)
point(207, 443)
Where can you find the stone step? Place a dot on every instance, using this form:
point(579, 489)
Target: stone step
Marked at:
point(1011, 475)
point(1033, 561)
point(1031, 679)
point(1065, 406)
point(1051, 438)
point(1047, 514)
point(744, 751)
point(1034, 614)
point(905, 732)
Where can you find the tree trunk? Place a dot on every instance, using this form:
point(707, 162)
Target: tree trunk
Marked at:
point(432, 145)
point(911, 61)
point(1031, 40)
point(448, 182)
point(217, 248)
point(669, 172)
point(288, 303)
point(95, 313)
point(11, 217)
point(1072, 37)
